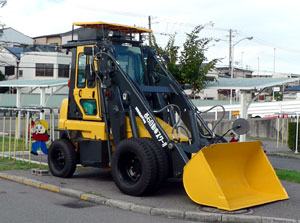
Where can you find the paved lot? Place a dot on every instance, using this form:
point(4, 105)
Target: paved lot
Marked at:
point(19, 203)
point(285, 163)
point(173, 195)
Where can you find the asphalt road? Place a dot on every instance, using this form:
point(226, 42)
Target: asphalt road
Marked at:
point(285, 163)
point(172, 195)
point(21, 203)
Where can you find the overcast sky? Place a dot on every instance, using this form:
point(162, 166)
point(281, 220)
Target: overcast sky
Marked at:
point(274, 24)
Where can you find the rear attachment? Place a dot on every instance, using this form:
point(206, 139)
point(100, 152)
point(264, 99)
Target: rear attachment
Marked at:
point(232, 176)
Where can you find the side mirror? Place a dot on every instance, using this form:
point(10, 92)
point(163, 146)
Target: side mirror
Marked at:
point(240, 126)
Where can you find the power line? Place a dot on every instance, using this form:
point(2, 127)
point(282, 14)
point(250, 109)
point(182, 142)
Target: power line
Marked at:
point(273, 45)
point(39, 54)
point(123, 13)
point(210, 26)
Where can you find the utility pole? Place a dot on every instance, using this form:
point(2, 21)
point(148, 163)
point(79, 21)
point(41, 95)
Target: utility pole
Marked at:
point(230, 67)
point(230, 53)
point(242, 56)
point(257, 65)
point(274, 62)
point(149, 25)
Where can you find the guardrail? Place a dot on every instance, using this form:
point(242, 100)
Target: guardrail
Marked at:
point(17, 125)
point(260, 109)
point(283, 111)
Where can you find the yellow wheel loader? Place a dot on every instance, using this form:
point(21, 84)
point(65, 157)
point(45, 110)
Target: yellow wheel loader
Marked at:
point(126, 113)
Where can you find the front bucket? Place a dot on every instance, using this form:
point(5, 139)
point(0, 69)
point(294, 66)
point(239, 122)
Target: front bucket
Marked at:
point(232, 176)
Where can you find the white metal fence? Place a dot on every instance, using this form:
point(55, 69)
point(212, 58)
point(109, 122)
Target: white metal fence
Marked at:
point(260, 109)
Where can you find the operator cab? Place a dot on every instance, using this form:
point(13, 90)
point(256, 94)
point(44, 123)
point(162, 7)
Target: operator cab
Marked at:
point(124, 47)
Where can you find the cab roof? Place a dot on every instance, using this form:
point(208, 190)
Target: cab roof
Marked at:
point(112, 26)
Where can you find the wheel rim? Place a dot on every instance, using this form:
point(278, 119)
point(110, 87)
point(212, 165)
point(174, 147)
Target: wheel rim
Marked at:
point(58, 158)
point(130, 168)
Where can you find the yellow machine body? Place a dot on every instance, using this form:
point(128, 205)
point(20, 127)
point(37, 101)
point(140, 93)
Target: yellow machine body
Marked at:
point(232, 176)
point(96, 130)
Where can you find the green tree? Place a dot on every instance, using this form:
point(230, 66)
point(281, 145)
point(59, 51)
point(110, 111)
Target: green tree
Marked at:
point(171, 51)
point(189, 67)
point(278, 96)
point(193, 69)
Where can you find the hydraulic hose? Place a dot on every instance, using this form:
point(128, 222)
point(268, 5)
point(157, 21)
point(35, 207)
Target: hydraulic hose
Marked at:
point(222, 117)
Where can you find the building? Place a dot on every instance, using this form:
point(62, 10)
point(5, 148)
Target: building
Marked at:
point(237, 72)
point(57, 39)
point(21, 57)
point(10, 37)
point(45, 65)
point(9, 56)
point(222, 72)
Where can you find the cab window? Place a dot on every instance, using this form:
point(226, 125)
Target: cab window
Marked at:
point(130, 61)
point(81, 75)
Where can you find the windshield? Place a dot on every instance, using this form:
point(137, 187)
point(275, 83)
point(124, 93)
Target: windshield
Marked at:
point(130, 61)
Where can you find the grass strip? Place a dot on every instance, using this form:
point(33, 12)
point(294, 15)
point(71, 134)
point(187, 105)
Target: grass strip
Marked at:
point(9, 164)
point(19, 146)
point(288, 175)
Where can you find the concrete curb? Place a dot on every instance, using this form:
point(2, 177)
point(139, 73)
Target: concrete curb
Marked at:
point(284, 155)
point(164, 212)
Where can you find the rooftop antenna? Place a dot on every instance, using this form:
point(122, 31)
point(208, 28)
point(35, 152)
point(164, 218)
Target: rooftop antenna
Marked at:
point(72, 33)
point(102, 29)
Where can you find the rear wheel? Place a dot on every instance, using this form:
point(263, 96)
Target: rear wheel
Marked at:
point(62, 158)
point(134, 167)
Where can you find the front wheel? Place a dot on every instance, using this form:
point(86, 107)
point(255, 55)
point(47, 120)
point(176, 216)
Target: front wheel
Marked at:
point(134, 168)
point(62, 158)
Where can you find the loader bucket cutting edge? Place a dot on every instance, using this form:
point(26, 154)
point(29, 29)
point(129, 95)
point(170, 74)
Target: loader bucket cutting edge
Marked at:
point(232, 176)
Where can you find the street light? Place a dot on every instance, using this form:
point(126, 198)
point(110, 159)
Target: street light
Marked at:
point(231, 48)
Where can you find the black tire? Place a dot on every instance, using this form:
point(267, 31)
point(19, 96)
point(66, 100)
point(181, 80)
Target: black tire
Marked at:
point(62, 158)
point(162, 164)
point(134, 167)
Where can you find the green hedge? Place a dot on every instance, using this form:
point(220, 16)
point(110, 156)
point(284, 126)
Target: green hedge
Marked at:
point(292, 135)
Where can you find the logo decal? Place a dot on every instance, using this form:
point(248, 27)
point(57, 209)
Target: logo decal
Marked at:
point(146, 118)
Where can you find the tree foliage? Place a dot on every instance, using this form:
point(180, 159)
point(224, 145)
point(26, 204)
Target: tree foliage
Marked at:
point(193, 69)
point(190, 67)
point(171, 51)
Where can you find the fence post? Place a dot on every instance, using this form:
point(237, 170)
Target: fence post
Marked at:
point(287, 130)
point(3, 138)
point(282, 128)
point(23, 136)
point(16, 134)
point(10, 135)
point(277, 131)
point(296, 146)
point(29, 152)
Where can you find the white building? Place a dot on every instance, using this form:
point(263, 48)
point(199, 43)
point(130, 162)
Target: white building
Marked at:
point(21, 57)
point(8, 63)
point(9, 57)
point(43, 65)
